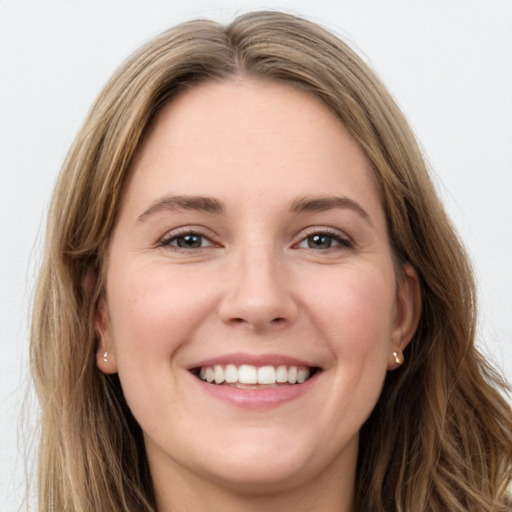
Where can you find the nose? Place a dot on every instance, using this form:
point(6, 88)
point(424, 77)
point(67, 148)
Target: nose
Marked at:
point(258, 293)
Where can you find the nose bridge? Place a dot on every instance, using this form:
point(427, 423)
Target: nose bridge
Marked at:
point(258, 295)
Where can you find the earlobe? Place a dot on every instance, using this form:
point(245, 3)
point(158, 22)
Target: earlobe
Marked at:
point(105, 354)
point(407, 315)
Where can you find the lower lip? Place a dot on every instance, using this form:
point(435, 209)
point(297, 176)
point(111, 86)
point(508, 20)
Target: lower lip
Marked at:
point(258, 398)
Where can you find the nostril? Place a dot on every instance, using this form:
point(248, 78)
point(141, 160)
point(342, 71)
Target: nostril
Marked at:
point(276, 322)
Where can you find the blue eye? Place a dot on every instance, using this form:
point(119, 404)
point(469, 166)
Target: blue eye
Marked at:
point(191, 241)
point(325, 240)
point(187, 241)
point(319, 241)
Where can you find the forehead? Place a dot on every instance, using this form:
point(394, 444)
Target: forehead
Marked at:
point(248, 137)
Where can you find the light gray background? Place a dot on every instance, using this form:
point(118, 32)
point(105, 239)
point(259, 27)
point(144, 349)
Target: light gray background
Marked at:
point(448, 63)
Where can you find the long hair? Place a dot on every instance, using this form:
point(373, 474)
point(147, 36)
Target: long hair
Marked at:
point(439, 437)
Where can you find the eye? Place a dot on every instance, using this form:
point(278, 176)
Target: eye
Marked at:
point(322, 240)
point(186, 241)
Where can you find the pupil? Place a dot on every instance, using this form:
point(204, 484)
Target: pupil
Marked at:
point(189, 241)
point(319, 241)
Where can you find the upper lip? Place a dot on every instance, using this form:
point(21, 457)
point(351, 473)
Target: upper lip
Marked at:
point(252, 359)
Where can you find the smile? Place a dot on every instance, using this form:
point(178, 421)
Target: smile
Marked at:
point(257, 382)
point(249, 376)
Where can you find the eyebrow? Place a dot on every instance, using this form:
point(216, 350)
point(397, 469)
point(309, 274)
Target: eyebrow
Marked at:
point(173, 203)
point(324, 203)
point(213, 205)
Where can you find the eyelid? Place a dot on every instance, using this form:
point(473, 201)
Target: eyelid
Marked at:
point(340, 237)
point(165, 240)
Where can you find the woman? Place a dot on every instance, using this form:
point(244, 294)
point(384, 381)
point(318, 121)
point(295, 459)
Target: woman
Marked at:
point(252, 297)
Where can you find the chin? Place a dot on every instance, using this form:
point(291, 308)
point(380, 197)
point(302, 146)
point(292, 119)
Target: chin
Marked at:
point(270, 466)
point(261, 476)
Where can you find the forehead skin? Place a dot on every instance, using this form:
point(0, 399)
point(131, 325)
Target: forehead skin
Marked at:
point(217, 118)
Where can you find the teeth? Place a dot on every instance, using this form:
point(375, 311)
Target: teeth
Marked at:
point(249, 374)
point(218, 374)
point(231, 373)
point(266, 375)
point(302, 375)
point(209, 374)
point(281, 374)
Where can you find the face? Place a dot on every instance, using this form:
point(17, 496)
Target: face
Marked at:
point(251, 305)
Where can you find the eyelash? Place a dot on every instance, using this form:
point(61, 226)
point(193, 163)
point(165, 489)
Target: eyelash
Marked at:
point(181, 234)
point(341, 242)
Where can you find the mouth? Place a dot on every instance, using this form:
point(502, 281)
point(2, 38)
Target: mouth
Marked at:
point(247, 376)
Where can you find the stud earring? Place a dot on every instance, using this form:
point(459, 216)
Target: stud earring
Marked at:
point(397, 358)
point(105, 357)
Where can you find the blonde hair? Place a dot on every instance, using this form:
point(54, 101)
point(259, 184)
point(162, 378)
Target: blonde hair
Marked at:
point(439, 437)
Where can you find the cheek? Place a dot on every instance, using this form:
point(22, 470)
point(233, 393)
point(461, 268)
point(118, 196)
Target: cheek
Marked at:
point(152, 313)
point(356, 308)
point(356, 317)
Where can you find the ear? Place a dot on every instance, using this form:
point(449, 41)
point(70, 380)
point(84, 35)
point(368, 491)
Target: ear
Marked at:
point(105, 354)
point(407, 314)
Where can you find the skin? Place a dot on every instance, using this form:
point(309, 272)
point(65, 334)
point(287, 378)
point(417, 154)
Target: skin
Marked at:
point(256, 283)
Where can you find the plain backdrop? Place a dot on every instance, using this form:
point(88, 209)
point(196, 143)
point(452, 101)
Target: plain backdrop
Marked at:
point(447, 62)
